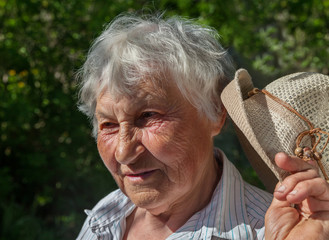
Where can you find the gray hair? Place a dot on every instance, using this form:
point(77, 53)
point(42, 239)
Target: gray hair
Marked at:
point(132, 48)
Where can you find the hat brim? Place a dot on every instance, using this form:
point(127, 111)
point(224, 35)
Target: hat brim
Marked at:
point(233, 97)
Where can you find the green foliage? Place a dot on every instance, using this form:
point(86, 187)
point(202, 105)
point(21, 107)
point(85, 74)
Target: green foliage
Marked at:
point(49, 166)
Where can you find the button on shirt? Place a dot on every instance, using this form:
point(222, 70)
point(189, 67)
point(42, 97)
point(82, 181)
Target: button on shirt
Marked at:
point(236, 211)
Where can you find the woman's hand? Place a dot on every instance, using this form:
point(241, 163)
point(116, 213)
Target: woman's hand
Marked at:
point(300, 207)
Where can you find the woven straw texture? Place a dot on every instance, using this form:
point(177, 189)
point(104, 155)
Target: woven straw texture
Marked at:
point(308, 94)
point(271, 128)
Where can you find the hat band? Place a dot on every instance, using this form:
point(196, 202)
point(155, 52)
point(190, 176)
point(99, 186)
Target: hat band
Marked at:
point(304, 153)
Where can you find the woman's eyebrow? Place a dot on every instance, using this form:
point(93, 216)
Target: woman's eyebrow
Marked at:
point(102, 114)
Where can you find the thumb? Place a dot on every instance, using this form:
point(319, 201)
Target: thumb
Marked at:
point(280, 218)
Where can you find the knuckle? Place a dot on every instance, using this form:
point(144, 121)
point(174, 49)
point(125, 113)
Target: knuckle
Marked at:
point(314, 171)
point(305, 185)
point(321, 182)
point(291, 180)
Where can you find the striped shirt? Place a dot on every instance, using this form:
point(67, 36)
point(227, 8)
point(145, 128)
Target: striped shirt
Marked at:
point(236, 211)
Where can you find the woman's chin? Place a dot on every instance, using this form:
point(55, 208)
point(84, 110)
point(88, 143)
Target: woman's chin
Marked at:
point(148, 199)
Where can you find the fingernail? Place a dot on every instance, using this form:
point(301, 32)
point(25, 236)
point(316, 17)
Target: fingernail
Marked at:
point(293, 192)
point(281, 189)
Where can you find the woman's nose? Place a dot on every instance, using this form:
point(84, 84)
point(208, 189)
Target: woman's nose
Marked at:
point(129, 147)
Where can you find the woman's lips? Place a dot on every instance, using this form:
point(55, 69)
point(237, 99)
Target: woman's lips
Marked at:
point(135, 177)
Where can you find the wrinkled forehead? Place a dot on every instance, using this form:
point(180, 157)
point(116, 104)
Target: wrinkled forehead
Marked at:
point(147, 87)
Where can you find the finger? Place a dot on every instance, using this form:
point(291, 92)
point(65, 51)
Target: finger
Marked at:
point(278, 209)
point(290, 182)
point(280, 218)
point(281, 201)
point(317, 188)
point(313, 205)
point(292, 163)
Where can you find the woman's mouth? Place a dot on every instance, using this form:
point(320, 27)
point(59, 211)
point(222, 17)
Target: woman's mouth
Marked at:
point(135, 177)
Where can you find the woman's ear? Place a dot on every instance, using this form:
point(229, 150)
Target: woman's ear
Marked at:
point(218, 125)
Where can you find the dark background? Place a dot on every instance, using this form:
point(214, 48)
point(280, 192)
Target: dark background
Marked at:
point(49, 166)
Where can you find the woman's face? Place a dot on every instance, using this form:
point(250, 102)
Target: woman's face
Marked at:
point(155, 144)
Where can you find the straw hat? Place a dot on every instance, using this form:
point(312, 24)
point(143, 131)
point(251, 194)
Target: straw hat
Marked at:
point(265, 125)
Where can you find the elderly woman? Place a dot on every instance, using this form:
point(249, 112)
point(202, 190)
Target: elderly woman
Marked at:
point(152, 90)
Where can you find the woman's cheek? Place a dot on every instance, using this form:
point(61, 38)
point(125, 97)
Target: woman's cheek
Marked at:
point(157, 126)
point(106, 149)
point(165, 143)
point(156, 137)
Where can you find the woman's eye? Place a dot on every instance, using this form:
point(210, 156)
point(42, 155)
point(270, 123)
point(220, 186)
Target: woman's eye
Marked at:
point(147, 118)
point(147, 114)
point(108, 125)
